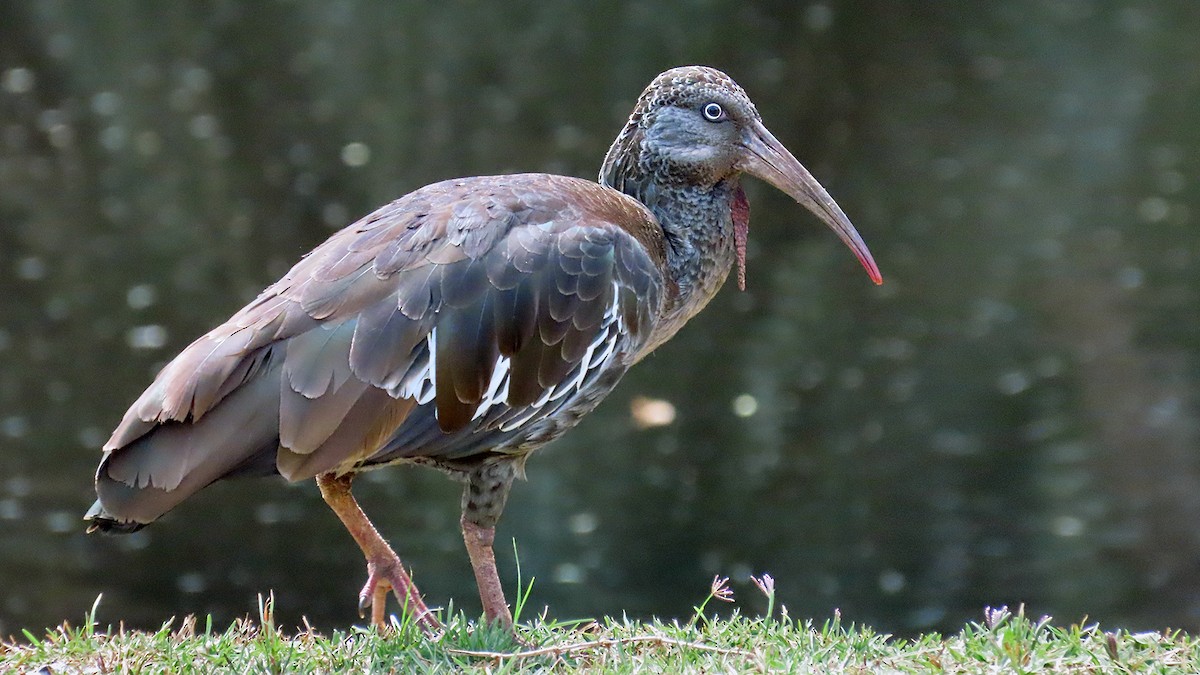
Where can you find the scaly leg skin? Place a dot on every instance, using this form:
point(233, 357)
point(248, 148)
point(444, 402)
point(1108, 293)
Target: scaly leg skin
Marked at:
point(479, 541)
point(385, 572)
point(483, 501)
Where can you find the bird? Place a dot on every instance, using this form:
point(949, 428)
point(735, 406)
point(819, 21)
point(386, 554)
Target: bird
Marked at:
point(463, 326)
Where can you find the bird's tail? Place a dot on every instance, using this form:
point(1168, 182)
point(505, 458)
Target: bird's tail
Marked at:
point(139, 482)
point(100, 520)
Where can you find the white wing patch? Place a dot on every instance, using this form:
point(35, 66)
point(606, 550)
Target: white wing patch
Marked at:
point(421, 384)
point(497, 391)
point(597, 357)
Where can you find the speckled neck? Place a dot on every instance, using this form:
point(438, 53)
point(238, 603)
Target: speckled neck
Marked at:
point(697, 227)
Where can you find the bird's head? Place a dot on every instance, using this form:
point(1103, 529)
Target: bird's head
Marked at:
point(696, 125)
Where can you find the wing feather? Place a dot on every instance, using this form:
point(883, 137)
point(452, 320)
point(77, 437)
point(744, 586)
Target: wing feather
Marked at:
point(438, 326)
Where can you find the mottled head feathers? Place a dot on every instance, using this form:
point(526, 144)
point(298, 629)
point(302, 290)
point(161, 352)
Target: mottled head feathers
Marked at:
point(686, 87)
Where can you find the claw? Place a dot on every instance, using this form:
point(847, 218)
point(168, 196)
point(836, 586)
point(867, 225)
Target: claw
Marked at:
point(366, 597)
point(389, 576)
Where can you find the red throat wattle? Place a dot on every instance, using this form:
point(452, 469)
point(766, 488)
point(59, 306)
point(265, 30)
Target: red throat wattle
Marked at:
point(740, 212)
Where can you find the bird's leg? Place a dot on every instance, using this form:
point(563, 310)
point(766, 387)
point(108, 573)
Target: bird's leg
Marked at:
point(482, 503)
point(483, 560)
point(384, 570)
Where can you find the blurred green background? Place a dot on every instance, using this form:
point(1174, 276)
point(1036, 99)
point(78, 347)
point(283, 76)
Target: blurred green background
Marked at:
point(1013, 417)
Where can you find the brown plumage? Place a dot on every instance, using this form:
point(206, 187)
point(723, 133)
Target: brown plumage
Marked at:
point(461, 326)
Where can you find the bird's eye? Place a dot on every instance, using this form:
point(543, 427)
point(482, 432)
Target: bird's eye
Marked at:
point(713, 112)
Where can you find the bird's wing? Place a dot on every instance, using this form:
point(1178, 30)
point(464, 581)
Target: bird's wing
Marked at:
point(481, 296)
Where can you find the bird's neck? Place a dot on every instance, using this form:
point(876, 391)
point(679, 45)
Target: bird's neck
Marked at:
point(697, 228)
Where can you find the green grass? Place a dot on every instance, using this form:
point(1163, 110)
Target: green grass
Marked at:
point(1002, 642)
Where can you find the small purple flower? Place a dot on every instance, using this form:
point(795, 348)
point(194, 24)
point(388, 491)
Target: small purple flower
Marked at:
point(721, 590)
point(765, 583)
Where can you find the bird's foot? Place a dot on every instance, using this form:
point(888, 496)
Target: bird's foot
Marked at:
point(389, 575)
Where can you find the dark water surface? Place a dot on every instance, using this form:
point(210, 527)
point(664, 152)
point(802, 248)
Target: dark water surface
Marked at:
point(1013, 417)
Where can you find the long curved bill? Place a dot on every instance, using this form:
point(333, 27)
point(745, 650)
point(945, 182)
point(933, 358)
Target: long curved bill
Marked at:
point(766, 158)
